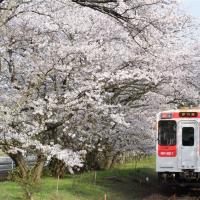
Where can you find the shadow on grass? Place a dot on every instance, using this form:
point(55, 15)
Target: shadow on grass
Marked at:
point(129, 184)
point(124, 182)
point(118, 184)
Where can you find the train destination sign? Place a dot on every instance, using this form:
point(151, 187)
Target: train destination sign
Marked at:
point(188, 114)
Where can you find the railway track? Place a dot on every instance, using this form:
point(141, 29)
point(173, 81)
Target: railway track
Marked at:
point(184, 193)
point(175, 193)
point(169, 192)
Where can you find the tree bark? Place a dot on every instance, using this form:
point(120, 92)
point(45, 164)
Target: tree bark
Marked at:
point(21, 163)
point(38, 168)
point(24, 169)
point(57, 168)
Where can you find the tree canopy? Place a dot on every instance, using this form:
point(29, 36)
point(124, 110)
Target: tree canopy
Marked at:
point(90, 74)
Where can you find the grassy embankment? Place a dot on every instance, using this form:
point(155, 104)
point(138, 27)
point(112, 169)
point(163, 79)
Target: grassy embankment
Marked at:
point(124, 182)
point(2, 154)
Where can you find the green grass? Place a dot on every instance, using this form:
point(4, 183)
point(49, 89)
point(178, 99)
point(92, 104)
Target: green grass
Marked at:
point(2, 154)
point(124, 182)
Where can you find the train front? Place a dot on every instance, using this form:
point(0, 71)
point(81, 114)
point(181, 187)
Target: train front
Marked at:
point(177, 149)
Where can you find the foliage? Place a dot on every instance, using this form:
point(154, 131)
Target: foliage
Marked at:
point(77, 76)
point(27, 184)
point(120, 183)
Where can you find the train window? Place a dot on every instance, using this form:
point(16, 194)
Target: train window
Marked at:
point(167, 132)
point(188, 136)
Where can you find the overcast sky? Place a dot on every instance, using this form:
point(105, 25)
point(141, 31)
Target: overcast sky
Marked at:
point(192, 6)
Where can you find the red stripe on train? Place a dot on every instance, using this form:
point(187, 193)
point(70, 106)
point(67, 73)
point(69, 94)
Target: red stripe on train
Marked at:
point(167, 151)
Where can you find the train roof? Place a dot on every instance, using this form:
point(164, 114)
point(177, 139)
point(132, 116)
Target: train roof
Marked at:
point(196, 109)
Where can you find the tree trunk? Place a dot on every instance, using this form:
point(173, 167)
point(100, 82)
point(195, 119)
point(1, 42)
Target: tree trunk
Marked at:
point(57, 167)
point(38, 168)
point(26, 177)
point(92, 162)
point(21, 163)
point(23, 167)
point(115, 159)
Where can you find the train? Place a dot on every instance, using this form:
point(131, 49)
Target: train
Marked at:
point(178, 146)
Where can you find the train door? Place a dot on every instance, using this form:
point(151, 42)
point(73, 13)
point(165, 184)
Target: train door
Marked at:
point(188, 140)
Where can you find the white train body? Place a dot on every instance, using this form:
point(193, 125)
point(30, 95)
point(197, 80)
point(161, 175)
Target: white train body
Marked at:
point(178, 145)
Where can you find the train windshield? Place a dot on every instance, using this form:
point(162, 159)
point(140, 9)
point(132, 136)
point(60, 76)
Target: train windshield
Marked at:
point(167, 133)
point(188, 136)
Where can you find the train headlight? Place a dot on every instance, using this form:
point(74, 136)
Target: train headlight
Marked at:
point(166, 115)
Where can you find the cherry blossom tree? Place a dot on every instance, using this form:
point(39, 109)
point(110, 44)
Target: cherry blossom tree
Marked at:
point(76, 75)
